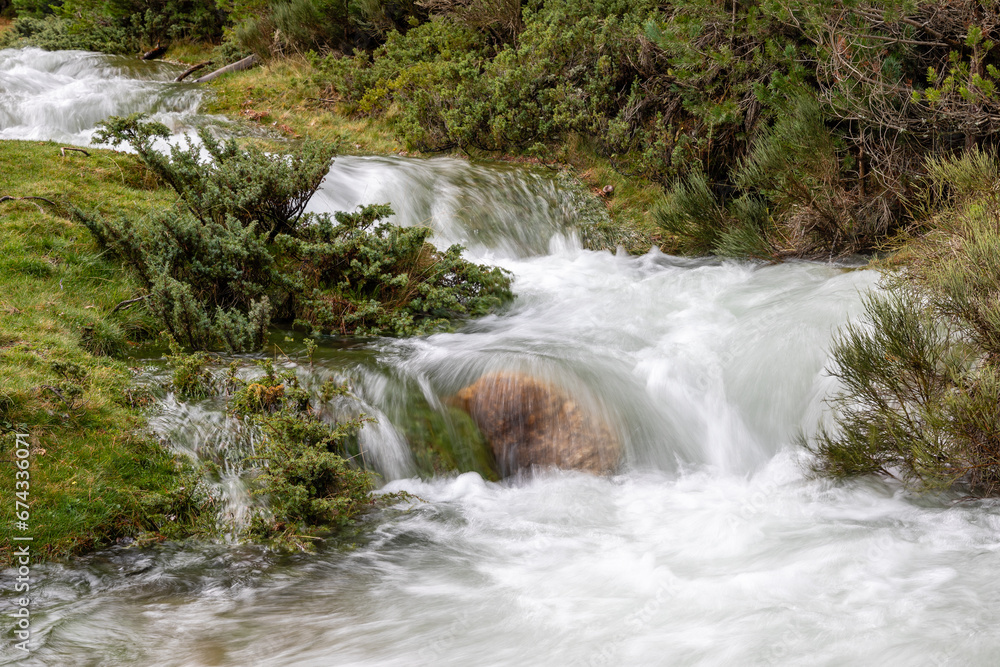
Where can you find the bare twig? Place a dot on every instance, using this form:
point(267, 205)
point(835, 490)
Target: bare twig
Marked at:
point(70, 148)
point(57, 393)
point(10, 198)
point(127, 303)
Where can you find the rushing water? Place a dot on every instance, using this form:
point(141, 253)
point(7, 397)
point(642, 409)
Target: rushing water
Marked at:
point(62, 95)
point(710, 546)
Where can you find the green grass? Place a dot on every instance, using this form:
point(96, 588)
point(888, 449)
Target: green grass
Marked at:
point(279, 97)
point(95, 475)
point(190, 53)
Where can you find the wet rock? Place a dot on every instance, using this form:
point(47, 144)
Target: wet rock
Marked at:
point(531, 422)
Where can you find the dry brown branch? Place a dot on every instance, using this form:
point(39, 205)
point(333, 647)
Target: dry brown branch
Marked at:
point(191, 70)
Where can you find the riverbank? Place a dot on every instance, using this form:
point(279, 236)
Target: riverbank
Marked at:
point(95, 474)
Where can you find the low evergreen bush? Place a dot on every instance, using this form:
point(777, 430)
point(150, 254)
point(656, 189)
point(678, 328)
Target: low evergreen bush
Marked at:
point(304, 464)
point(240, 252)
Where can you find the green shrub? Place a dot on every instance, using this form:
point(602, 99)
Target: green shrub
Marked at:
point(298, 27)
point(790, 197)
point(691, 212)
point(921, 383)
point(446, 84)
point(53, 33)
point(191, 376)
point(243, 252)
point(304, 463)
point(114, 26)
point(368, 277)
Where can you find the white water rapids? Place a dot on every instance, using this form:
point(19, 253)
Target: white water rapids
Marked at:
point(711, 546)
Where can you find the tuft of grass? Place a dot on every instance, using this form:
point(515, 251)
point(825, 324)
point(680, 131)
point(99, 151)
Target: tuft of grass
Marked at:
point(191, 53)
point(95, 476)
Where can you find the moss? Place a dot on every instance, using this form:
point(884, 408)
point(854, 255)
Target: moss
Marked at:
point(443, 440)
point(94, 475)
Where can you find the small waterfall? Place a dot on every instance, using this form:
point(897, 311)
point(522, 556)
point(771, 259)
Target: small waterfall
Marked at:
point(62, 95)
point(219, 445)
point(494, 211)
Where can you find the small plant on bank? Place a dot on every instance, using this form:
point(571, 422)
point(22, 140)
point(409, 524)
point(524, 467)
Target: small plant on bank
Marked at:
point(243, 253)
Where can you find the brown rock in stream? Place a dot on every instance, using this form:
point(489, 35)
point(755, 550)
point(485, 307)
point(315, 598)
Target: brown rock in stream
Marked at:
point(531, 422)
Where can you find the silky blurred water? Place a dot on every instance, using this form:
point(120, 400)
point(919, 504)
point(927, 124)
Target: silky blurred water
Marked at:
point(62, 95)
point(710, 545)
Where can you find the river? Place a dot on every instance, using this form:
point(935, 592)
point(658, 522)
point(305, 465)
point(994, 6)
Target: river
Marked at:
point(711, 545)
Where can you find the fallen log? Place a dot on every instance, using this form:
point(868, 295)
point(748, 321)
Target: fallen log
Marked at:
point(191, 70)
point(237, 66)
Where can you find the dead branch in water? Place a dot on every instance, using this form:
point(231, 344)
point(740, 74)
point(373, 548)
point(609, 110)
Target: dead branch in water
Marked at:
point(191, 70)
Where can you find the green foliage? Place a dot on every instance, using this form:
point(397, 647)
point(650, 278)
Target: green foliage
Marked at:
point(974, 173)
point(297, 27)
point(446, 84)
point(369, 277)
point(793, 198)
point(53, 33)
point(305, 471)
point(191, 377)
point(242, 182)
point(113, 26)
point(243, 252)
point(824, 111)
point(921, 380)
point(692, 213)
point(917, 402)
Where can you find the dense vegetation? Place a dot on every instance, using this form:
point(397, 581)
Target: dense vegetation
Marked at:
point(69, 318)
point(921, 375)
point(781, 128)
point(305, 470)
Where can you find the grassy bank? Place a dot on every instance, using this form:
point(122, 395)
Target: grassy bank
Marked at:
point(95, 476)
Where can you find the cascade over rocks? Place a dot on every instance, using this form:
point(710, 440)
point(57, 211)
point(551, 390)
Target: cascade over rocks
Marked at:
point(529, 422)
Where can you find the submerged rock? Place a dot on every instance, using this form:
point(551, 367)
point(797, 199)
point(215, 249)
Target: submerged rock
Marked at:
point(529, 422)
